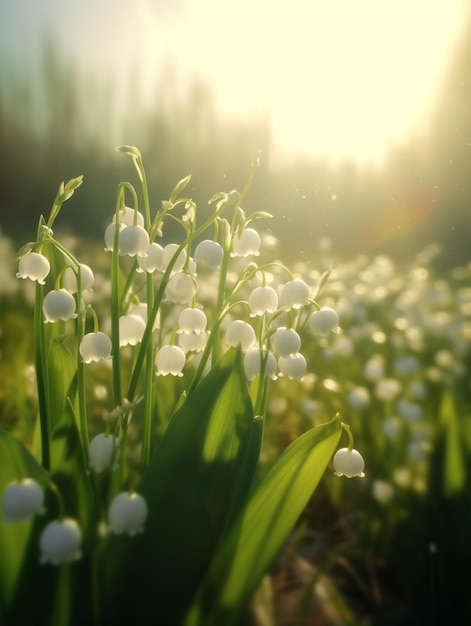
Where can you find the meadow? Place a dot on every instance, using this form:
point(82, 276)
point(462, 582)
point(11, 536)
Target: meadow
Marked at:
point(235, 433)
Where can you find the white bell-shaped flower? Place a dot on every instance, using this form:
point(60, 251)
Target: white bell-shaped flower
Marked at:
point(110, 232)
point(348, 463)
point(239, 332)
point(263, 300)
point(324, 321)
point(95, 347)
point(58, 304)
point(133, 240)
point(170, 360)
point(60, 541)
point(293, 366)
point(253, 364)
point(128, 217)
point(69, 278)
point(34, 266)
point(169, 252)
point(131, 330)
point(152, 260)
point(21, 500)
point(285, 341)
point(192, 342)
point(192, 320)
point(141, 311)
point(247, 244)
point(101, 451)
point(209, 252)
point(294, 294)
point(127, 514)
point(181, 289)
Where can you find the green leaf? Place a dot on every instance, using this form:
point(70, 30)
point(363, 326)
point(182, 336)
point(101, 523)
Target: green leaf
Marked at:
point(263, 527)
point(191, 487)
point(62, 368)
point(16, 463)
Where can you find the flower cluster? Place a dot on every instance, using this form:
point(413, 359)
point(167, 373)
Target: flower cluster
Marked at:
point(175, 308)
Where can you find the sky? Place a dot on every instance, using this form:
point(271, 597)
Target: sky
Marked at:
point(338, 79)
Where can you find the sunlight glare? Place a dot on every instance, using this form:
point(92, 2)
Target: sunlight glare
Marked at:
point(337, 79)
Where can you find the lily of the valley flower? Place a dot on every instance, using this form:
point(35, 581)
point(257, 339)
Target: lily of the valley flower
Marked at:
point(240, 333)
point(263, 300)
point(34, 266)
point(127, 514)
point(294, 294)
point(253, 364)
point(69, 279)
point(133, 241)
point(209, 252)
point(95, 347)
point(349, 463)
point(131, 330)
point(285, 341)
point(101, 451)
point(170, 360)
point(21, 500)
point(128, 217)
point(58, 304)
point(192, 320)
point(323, 322)
point(152, 260)
point(247, 244)
point(293, 366)
point(60, 541)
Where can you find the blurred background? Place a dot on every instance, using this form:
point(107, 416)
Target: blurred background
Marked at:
point(360, 111)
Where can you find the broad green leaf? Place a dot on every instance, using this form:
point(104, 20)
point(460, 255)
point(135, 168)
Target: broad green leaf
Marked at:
point(263, 527)
point(191, 486)
point(62, 368)
point(16, 463)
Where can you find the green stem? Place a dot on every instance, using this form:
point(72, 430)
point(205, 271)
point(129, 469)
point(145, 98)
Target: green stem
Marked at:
point(81, 393)
point(115, 306)
point(41, 377)
point(149, 372)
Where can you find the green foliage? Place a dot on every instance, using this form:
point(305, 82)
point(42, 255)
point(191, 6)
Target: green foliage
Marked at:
point(262, 528)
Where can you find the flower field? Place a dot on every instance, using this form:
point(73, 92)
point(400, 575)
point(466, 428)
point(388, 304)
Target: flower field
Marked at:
point(195, 425)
